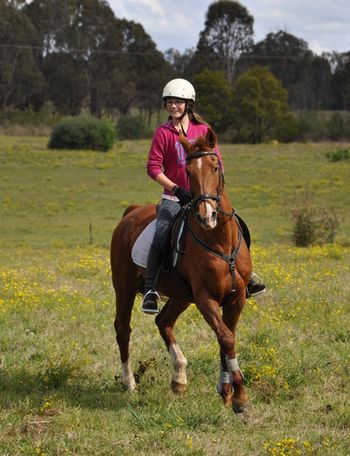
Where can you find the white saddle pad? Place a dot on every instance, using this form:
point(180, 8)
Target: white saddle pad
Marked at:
point(140, 250)
point(139, 253)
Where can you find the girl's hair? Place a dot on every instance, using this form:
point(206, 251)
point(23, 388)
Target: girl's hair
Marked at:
point(193, 115)
point(196, 117)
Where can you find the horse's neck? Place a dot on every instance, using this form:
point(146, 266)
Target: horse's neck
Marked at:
point(225, 218)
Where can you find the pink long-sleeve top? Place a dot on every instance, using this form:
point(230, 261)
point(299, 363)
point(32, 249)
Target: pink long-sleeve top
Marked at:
point(167, 154)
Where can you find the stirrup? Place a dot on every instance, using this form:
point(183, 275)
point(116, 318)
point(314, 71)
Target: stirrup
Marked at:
point(258, 286)
point(150, 302)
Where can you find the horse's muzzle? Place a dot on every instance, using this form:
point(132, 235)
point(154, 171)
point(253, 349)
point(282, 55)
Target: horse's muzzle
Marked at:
point(209, 219)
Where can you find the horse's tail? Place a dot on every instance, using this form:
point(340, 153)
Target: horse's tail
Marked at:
point(130, 208)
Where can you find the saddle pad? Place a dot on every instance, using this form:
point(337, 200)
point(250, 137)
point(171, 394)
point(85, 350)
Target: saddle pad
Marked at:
point(139, 253)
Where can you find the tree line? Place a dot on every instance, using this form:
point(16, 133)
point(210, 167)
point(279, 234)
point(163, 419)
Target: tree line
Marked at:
point(78, 55)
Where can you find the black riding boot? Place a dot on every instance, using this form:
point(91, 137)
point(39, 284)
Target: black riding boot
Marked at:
point(151, 297)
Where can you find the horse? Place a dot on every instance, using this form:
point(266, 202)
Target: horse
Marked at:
point(212, 272)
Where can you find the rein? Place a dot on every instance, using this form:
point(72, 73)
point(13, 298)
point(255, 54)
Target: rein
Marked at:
point(206, 196)
point(230, 259)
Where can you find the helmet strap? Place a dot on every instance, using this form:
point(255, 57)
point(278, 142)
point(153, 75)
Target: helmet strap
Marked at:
point(183, 130)
point(185, 110)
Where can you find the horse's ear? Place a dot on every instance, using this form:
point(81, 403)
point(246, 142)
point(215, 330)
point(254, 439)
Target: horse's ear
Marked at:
point(211, 138)
point(185, 142)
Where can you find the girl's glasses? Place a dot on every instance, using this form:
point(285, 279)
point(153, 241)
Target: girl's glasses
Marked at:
point(175, 102)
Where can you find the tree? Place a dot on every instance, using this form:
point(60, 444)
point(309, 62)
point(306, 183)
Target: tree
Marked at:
point(320, 87)
point(20, 78)
point(227, 34)
point(147, 67)
point(214, 100)
point(340, 83)
point(68, 82)
point(120, 61)
point(180, 63)
point(305, 75)
point(260, 104)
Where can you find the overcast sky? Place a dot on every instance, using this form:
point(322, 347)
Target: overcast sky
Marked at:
point(323, 24)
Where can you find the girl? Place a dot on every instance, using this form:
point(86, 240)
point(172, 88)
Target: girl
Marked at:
point(167, 165)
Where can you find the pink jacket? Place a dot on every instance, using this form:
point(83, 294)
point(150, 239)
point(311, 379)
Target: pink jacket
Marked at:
point(167, 154)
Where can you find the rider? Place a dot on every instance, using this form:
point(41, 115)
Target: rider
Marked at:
point(167, 165)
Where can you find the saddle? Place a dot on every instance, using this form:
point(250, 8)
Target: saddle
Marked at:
point(174, 246)
point(176, 241)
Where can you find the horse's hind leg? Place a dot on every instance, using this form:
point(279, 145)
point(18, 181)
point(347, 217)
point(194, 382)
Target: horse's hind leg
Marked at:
point(125, 296)
point(166, 322)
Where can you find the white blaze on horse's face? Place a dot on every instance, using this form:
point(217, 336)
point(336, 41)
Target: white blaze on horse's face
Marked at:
point(204, 178)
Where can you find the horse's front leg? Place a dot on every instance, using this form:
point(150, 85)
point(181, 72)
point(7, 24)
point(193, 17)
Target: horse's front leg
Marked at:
point(230, 366)
point(230, 373)
point(166, 322)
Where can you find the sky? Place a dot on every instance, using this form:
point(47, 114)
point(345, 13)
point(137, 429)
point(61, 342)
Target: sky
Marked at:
point(323, 24)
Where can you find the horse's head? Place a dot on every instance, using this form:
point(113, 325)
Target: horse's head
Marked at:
point(205, 177)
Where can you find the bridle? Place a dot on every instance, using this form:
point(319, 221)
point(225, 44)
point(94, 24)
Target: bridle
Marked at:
point(228, 258)
point(207, 196)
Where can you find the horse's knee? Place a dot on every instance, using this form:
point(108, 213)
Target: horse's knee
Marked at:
point(226, 341)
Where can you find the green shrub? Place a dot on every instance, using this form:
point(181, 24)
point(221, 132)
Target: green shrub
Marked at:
point(46, 117)
point(290, 129)
point(338, 127)
point(314, 225)
point(83, 132)
point(338, 155)
point(133, 127)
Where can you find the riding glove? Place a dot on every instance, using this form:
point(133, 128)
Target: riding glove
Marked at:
point(184, 195)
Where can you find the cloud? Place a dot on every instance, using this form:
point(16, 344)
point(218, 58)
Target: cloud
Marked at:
point(323, 24)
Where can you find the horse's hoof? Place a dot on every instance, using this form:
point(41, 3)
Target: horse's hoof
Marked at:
point(225, 391)
point(227, 400)
point(240, 407)
point(178, 388)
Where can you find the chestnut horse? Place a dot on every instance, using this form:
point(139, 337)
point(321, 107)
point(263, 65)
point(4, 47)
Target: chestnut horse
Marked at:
point(213, 273)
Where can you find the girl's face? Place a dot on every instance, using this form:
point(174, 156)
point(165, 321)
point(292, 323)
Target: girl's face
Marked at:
point(175, 107)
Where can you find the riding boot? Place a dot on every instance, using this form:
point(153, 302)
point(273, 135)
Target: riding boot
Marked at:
point(151, 297)
point(255, 286)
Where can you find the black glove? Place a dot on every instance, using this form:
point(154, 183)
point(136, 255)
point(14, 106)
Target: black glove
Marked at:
point(184, 195)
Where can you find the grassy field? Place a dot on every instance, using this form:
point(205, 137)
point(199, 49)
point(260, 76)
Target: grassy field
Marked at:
point(58, 357)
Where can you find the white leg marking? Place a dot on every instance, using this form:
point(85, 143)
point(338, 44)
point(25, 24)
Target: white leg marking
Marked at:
point(224, 377)
point(128, 378)
point(179, 363)
point(233, 366)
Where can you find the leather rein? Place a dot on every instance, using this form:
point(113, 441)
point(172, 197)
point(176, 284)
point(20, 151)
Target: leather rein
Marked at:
point(230, 259)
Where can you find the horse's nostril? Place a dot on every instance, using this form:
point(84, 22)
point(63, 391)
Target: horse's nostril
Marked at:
point(213, 215)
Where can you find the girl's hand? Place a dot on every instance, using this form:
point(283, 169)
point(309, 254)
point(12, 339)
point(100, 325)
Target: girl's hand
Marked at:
point(185, 196)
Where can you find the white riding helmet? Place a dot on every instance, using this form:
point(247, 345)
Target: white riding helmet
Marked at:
point(179, 88)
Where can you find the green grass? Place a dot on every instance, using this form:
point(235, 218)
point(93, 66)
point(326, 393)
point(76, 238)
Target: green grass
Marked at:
point(58, 356)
